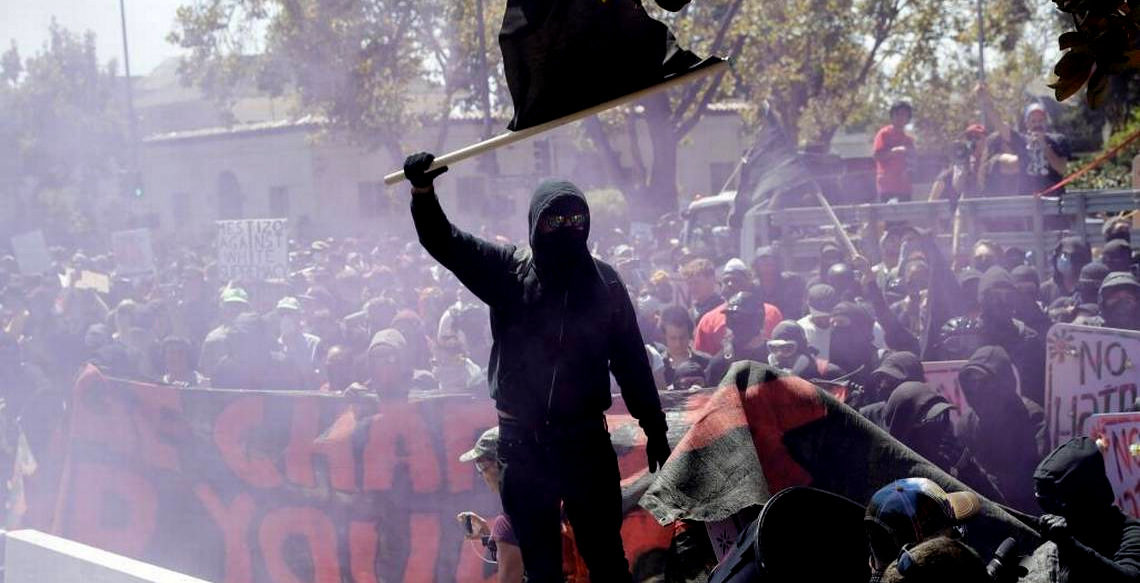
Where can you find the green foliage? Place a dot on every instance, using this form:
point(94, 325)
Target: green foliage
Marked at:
point(63, 130)
point(1104, 42)
point(1116, 172)
point(608, 209)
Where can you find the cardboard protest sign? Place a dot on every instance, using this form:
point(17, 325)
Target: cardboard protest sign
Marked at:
point(31, 252)
point(253, 248)
point(133, 251)
point(1119, 436)
point(99, 282)
point(943, 376)
point(278, 487)
point(1088, 371)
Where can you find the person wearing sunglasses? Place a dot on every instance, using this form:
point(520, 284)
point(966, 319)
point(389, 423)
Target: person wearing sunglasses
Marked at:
point(562, 322)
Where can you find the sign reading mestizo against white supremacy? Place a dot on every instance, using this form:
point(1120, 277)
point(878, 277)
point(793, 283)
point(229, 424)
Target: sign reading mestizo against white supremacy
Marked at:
point(253, 248)
point(1089, 371)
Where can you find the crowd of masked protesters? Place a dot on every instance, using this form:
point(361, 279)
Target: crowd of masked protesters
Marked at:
point(377, 317)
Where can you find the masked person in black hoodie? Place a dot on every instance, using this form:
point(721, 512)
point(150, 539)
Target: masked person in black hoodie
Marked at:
point(1120, 301)
point(852, 343)
point(919, 416)
point(999, 298)
point(1096, 542)
point(561, 321)
point(896, 368)
point(1004, 430)
point(1084, 306)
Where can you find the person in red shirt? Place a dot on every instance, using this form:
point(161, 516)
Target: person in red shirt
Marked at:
point(893, 153)
point(711, 330)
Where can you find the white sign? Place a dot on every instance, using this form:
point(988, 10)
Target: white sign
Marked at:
point(1088, 371)
point(253, 248)
point(943, 376)
point(31, 252)
point(133, 251)
point(1118, 434)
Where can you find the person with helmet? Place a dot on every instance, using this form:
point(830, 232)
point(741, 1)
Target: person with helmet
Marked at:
point(1120, 301)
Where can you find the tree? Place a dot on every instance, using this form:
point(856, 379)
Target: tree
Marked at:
point(63, 129)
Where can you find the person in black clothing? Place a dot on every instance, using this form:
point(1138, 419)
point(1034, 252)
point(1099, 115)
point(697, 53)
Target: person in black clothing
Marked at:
point(1003, 429)
point(1069, 256)
point(783, 289)
point(896, 368)
point(998, 298)
point(1117, 255)
point(788, 350)
point(744, 315)
point(1120, 301)
point(852, 346)
point(1095, 540)
point(919, 416)
point(561, 321)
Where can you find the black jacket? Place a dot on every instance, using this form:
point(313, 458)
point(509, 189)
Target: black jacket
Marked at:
point(1105, 543)
point(554, 345)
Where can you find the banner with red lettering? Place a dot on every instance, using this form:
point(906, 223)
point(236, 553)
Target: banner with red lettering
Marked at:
point(1118, 435)
point(290, 487)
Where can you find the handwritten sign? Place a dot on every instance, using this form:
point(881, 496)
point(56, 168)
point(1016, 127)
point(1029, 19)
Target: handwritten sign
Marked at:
point(253, 248)
point(1119, 437)
point(31, 252)
point(133, 251)
point(943, 376)
point(1088, 371)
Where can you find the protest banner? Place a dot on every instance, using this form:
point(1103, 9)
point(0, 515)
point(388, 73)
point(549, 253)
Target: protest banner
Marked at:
point(253, 248)
point(133, 251)
point(99, 282)
point(1088, 371)
point(1118, 434)
point(281, 487)
point(943, 376)
point(31, 252)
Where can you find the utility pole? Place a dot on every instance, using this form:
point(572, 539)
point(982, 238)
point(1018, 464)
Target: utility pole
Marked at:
point(981, 53)
point(136, 183)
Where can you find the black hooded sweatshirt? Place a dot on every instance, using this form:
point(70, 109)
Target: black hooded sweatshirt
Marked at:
point(1024, 346)
point(1105, 542)
point(561, 320)
point(1002, 429)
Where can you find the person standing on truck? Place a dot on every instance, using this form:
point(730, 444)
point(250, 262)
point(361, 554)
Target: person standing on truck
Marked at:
point(562, 322)
point(894, 156)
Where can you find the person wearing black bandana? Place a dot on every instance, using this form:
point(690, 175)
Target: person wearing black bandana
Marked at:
point(561, 321)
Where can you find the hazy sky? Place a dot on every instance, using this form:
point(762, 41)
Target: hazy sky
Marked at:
point(148, 22)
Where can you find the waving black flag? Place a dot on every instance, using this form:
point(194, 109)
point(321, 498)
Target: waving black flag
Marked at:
point(564, 56)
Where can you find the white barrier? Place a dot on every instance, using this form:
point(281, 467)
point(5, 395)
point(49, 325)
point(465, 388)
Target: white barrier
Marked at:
point(31, 556)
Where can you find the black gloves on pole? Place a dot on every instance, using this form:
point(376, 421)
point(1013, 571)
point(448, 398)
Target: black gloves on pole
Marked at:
point(417, 170)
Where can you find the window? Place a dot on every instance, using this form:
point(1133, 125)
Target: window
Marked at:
point(279, 202)
point(718, 174)
point(230, 203)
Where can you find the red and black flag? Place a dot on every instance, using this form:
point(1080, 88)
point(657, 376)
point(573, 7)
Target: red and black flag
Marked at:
point(564, 56)
point(763, 431)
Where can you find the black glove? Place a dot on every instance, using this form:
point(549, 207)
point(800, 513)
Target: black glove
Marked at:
point(1054, 528)
point(416, 170)
point(657, 450)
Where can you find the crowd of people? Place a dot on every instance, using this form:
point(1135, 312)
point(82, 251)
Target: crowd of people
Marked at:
point(378, 317)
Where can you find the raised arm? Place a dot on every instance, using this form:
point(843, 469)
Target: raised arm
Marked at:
point(483, 267)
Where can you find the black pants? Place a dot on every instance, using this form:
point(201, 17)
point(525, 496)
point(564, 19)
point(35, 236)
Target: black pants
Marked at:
point(569, 469)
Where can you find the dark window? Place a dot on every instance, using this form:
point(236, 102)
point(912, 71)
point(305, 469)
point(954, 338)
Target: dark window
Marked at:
point(279, 202)
point(230, 200)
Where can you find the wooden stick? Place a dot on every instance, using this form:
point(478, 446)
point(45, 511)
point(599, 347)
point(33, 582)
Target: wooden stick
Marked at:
point(838, 225)
point(509, 138)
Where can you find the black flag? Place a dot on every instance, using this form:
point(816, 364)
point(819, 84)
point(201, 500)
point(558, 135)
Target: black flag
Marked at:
point(564, 56)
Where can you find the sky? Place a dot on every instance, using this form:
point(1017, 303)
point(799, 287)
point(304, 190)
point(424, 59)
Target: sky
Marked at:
point(148, 23)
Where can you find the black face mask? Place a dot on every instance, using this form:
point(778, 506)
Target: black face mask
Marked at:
point(850, 349)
